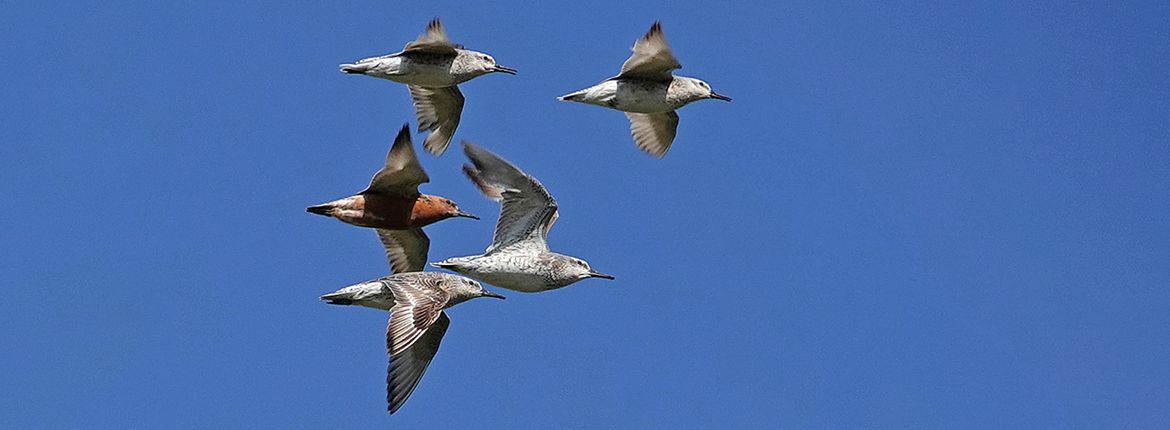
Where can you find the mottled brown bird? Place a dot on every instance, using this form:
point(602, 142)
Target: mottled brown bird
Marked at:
point(392, 201)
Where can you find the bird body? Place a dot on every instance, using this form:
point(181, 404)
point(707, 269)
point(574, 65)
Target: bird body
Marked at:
point(422, 69)
point(416, 301)
point(380, 293)
point(648, 92)
point(518, 258)
point(392, 200)
point(641, 96)
point(520, 271)
point(432, 66)
point(393, 212)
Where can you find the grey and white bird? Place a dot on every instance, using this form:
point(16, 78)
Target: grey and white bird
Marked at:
point(432, 66)
point(518, 258)
point(416, 301)
point(648, 93)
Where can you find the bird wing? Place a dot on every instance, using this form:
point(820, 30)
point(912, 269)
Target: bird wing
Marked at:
point(402, 173)
point(406, 250)
point(527, 209)
point(653, 132)
point(652, 59)
point(416, 327)
point(407, 368)
point(433, 41)
point(438, 110)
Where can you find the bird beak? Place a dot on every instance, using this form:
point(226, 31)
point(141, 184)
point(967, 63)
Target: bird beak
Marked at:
point(600, 275)
point(718, 96)
point(466, 215)
point(503, 69)
point(487, 293)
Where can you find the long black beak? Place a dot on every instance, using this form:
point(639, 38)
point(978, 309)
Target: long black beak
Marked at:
point(601, 275)
point(466, 215)
point(718, 96)
point(503, 69)
point(487, 293)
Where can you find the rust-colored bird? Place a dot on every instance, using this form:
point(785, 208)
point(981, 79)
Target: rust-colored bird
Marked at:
point(392, 201)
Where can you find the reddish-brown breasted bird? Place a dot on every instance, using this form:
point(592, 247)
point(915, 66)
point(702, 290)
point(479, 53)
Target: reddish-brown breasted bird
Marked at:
point(392, 201)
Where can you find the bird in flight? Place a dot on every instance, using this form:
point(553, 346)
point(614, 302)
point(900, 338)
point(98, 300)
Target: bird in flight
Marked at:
point(392, 200)
point(416, 301)
point(432, 66)
point(518, 257)
point(648, 92)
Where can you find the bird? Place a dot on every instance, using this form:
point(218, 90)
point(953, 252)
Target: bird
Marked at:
point(415, 300)
point(518, 257)
point(432, 67)
point(392, 200)
point(648, 92)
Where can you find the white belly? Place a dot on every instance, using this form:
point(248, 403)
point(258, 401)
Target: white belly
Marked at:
point(640, 97)
point(414, 73)
point(523, 282)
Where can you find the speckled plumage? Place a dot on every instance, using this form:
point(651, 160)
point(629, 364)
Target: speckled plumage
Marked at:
point(518, 257)
point(416, 301)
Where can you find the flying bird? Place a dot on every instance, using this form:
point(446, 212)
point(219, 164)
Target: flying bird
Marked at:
point(416, 301)
point(648, 93)
point(518, 257)
point(432, 66)
point(392, 200)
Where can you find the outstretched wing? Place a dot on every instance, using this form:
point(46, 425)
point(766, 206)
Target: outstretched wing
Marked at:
point(402, 173)
point(406, 250)
point(527, 209)
point(652, 59)
point(407, 368)
point(438, 110)
point(417, 324)
point(653, 132)
point(433, 41)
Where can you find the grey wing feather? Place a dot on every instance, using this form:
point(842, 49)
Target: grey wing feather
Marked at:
point(652, 58)
point(417, 303)
point(402, 173)
point(527, 209)
point(653, 132)
point(438, 110)
point(406, 368)
point(433, 41)
point(406, 250)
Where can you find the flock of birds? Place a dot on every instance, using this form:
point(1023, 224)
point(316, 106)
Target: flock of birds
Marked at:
point(518, 257)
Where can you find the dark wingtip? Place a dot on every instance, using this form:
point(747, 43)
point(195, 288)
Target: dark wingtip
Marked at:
point(342, 302)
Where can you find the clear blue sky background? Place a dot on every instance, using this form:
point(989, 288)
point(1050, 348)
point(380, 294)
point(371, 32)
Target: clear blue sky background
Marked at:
point(910, 216)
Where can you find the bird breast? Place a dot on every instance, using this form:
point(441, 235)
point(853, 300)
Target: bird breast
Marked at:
point(641, 96)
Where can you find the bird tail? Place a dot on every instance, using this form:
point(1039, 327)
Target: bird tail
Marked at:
point(337, 301)
point(355, 69)
point(324, 209)
point(445, 264)
point(345, 296)
point(572, 97)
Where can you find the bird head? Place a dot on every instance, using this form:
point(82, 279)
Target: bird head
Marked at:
point(485, 64)
point(467, 289)
point(582, 269)
point(699, 90)
point(450, 209)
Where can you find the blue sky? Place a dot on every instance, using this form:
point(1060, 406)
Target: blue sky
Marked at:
point(911, 216)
